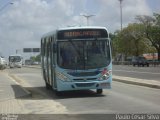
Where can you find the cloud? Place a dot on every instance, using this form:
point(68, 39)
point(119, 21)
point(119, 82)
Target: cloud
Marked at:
point(27, 20)
point(109, 14)
point(23, 23)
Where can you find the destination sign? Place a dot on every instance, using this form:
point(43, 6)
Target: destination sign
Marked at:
point(82, 33)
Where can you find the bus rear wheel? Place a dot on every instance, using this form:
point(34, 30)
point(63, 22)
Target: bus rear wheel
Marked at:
point(99, 91)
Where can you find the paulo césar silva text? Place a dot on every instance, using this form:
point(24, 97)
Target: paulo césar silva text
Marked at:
point(138, 116)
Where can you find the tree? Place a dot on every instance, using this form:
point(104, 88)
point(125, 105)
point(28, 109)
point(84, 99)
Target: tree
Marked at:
point(130, 41)
point(36, 58)
point(33, 58)
point(152, 30)
point(134, 32)
point(113, 46)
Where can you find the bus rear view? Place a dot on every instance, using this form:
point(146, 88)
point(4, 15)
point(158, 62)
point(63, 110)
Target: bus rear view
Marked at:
point(80, 59)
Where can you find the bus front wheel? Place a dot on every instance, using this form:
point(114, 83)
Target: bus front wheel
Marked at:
point(48, 87)
point(99, 91)
point(58, 93)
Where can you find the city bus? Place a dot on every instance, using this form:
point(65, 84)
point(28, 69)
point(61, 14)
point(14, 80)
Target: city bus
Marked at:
point(15, 61)
point(77, 58)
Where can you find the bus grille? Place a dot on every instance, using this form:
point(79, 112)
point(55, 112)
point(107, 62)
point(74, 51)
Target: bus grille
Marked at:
point(84, 79)
point(85, 84)
point(80, 74)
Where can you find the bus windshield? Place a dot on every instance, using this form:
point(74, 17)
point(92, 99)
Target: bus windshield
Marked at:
point(85, 54)
point(15, 58)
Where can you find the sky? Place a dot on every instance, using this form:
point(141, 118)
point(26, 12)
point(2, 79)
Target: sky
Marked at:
point(24, 22)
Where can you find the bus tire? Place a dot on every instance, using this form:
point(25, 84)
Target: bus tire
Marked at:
point(58, 93)
point(48, 87)
point(99, 91)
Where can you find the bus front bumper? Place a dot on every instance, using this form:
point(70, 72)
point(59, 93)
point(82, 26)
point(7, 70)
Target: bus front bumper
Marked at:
point(66, 86)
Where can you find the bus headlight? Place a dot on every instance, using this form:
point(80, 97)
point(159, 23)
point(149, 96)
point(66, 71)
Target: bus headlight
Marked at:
point(105, 74)
point(61, 76)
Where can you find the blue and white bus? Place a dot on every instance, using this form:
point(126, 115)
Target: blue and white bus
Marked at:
point(77, 58)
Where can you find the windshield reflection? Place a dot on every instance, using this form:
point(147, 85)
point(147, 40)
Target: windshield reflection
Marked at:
point(83, 54)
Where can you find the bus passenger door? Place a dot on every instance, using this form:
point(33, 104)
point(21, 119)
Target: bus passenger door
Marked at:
point(49, 62)
point(45, 62)
point(53, 64)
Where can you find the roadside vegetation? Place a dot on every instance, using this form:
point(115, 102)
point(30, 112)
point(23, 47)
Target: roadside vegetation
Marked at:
point(137, 38)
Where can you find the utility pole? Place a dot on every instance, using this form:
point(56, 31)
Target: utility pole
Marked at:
point(121, 12)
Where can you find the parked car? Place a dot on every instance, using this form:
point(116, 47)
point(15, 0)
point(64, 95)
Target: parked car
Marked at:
point(139, 61)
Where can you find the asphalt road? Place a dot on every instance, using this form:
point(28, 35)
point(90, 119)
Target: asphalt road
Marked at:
point(122, 98)
point(148, 73)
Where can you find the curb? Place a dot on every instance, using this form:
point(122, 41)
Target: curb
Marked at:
point(136, 81)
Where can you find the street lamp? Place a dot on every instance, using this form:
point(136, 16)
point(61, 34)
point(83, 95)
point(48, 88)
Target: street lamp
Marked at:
point(121, 12)
point(87, 17)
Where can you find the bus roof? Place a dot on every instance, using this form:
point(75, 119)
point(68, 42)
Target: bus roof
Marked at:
point(83, 27)
point(15, 55)
point(73, 28)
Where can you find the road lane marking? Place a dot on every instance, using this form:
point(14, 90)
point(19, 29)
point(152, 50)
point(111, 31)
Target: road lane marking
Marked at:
point(137, 72)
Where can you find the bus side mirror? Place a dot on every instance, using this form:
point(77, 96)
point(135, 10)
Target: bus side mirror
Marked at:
point(54, 48)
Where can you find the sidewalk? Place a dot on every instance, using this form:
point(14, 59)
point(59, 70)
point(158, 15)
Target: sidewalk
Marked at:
point(10, 89)
point(14, 99)
point(10, 92)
